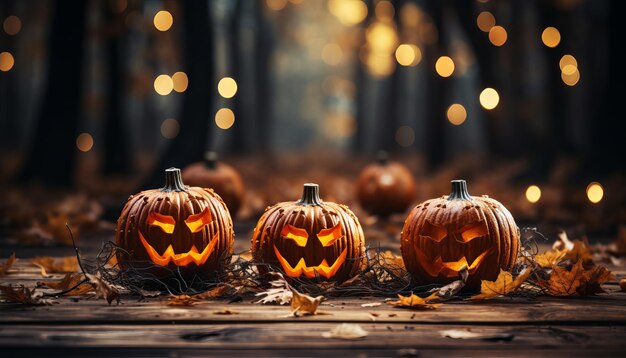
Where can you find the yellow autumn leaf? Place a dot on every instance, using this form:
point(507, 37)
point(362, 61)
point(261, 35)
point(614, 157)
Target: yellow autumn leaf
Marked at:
point(564, 282)
point(550, 258)
point(415, 302)
point(502, 286)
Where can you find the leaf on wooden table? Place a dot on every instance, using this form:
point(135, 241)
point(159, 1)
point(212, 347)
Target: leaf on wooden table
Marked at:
point(580, 252)
point(348, 331)
point(218, 291)
point(550, 258)
point(372, 304)
point(6, 266)
point(502, 286)
point(182, 300)
point(593, 279)
point(562, 242)
point(56, 265)
point(564, 282)
point(280, 292)
point(104, 289)
point(225, 312)
point(414, 302)
point(21, 294)
point(304, 304)
point(68, 281)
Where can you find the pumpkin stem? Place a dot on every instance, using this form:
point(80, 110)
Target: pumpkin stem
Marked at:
point(173, 180)
point(459, 191)
point(210, 159)
point(310, 195)
point(382, 157)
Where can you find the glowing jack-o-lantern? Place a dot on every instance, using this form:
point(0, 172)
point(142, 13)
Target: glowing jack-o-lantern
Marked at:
point(181, 228)
point(310, 238)
point(442, 236)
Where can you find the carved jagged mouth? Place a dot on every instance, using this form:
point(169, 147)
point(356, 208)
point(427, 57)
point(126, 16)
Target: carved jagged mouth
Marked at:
point(450, 269)
point(182, 259)
point(323, 269)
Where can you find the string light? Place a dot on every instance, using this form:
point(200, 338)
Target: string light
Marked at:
point(163, 85)
point(533, 193)
point(456, 114)
point(444, 66)
point(163, 20)
point(595, 192)
point(84, 142)
point(497, 35)
point(224, 118)
point(6, 61)
point(408, 55)
point(551, 37)
point(227, 87)
point(180, 81)
point(485, 21)
point(170, 128)
point(489, 98)
point(12, 25)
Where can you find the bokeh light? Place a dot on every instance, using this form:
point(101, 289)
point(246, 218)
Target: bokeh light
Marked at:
point(444, 66)
point(224, 118)
point(348, 12)
point(12, 25)
point(163, 85)
point(489, 98)
point(533, 193)
point(551, 37)
point(408, 55)
point(405, 136)
point(180, 81)
point(163, 20)
point(332, 54)
point(567, 60)
point(170, 128)
point(84, 142)
point(6, 61)
point(485, 21)
point(384, 10)
point(497, 35)
point(227, 87)
point(456, 114)
point(572, 78)
point(339, 126)
point(595, 192)
point(276, 5)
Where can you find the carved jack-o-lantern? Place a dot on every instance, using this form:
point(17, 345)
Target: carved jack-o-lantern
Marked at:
point(182, 228)
point(443, 235)
point(310, 238)
point(220, 177)
point(385, 187)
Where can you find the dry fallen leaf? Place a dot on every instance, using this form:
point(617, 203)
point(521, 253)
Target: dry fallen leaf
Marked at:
point(564, 282)
point(23, 295)
point(69, 280)
point(304, 304)
point(414, 302)
point(562, 242)
point(218, 291)
point(593, 279)
point(280, 293)
point(550, 258)
point(182, 300)
point(225, 312)
point(502, 286)
point(104, 289)
point(372, 304)
point(580, 252)
point(348, 331)
point(6, 266)
point(56, 265)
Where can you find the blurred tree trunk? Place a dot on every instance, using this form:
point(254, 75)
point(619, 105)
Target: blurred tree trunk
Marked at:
point(116, 153)
point(189, 146)
point(264, 46)
point(53, 150)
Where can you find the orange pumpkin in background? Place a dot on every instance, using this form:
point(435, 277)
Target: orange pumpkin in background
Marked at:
point(177, 228)
point(385, 187)
point(219, 176)
point(443, 235)
point(310, 238)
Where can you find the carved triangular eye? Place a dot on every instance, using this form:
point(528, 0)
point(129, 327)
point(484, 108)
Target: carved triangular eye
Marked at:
point(433, 232)
point(196, 222)
point(328, 236)
point(470, 232)
point(298, 235)
point(164, 222)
